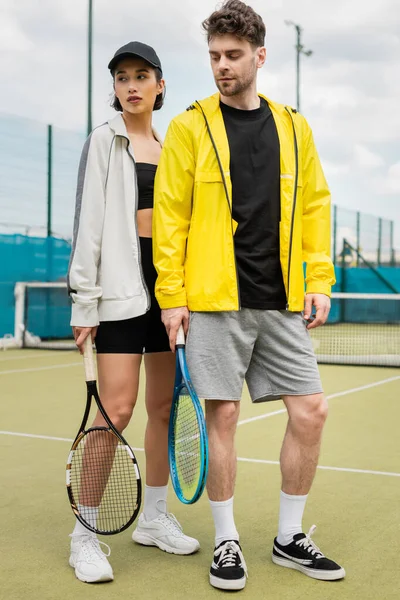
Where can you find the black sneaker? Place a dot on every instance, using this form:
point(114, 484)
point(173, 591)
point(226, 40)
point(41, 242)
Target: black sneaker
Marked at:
point(228, 570)
point(303, 555)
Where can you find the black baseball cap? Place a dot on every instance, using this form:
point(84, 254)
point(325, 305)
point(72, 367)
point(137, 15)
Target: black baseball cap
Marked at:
point(137, 49)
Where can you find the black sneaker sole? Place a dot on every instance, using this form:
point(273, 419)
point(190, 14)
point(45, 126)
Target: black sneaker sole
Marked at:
point(314, 573)
point(227, 584)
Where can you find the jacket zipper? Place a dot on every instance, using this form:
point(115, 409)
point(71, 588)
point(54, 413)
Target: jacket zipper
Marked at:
point(226, 193)
point(296, 154)
point(136, 231)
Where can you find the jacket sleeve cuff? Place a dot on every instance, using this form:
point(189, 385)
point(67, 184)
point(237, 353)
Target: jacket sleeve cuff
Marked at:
point(174, 301)
point(84, 315)
point(318, 287)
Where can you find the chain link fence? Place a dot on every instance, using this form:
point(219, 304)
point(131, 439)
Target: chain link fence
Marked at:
point(38, 171)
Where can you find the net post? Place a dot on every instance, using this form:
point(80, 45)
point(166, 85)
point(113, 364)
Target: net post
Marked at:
point(392, 251)
point(19, 317)
point(379, 253)
point(342, 309)
point(37, 334)
point(49, 177)
point(358, 238)
point(49, 242)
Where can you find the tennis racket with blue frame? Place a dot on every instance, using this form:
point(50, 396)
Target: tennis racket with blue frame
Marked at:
point(187, 435)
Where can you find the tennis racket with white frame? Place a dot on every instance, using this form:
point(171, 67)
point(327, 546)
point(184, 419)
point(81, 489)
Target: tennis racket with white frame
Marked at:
point(103, 478)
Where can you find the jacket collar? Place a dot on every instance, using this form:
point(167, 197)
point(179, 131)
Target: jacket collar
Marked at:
point(117, 125)
point(283, 117)
point(210, 106)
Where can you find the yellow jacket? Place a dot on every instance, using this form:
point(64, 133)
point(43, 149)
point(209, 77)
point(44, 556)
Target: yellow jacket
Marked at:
point(193, 227)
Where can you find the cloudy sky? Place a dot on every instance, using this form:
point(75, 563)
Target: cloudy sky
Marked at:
point(350, 85)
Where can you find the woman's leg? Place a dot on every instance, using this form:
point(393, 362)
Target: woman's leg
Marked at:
point(118, 383)
point(118, 389)
point(156, 527)
point(118, 376)
point(160, 374)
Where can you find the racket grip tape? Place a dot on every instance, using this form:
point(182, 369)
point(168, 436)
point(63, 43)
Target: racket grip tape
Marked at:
point(180, 338)
point(88, 361)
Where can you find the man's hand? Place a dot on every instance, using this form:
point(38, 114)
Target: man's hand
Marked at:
point(80, 335)
point(322, 304)
point(173, 318)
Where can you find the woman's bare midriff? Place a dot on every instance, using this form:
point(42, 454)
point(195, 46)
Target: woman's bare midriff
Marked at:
point(144, 222)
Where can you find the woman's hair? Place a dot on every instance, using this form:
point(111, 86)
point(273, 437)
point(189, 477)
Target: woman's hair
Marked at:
point(116, 104)
point(236, 18)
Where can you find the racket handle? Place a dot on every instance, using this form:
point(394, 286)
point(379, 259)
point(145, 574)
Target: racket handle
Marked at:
point(88, 362)
point(180, 338)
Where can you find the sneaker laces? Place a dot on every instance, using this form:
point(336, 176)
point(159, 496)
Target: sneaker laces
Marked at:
point(308, 544)
point(227, 555)
point(90, 546)
point(171, 523)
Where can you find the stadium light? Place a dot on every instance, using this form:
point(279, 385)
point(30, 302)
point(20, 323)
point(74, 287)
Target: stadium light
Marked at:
point(299, 50)
point(89, 72)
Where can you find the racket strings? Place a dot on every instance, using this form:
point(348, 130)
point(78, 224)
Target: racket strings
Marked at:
point(104, 481)
point(187, 445)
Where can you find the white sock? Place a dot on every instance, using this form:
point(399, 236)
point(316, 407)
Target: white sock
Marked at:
point(155, 501)
point(290, 517)
point(89, 513)
point(225, 528)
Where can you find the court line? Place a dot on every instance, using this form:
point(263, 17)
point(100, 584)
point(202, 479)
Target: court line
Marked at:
point(342, 469)
point(29, 356)
point(336, 395)
point(34, 370)
point(247, 460)
point(48, 437)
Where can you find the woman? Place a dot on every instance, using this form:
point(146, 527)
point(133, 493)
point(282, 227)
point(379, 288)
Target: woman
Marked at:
point(111, 282)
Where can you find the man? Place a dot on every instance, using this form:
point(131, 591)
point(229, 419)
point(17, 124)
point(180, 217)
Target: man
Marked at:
point(241, 202)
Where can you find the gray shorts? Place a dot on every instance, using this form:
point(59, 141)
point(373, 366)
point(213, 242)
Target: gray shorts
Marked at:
point(270, 349)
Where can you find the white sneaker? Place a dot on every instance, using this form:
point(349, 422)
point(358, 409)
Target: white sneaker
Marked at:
point(166, 533)
point(88, 559)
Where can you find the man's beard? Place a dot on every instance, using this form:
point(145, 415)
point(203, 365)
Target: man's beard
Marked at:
point(237, 86)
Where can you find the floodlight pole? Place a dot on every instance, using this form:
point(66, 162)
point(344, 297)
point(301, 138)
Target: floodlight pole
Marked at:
point(89, 72)
point(299, 50)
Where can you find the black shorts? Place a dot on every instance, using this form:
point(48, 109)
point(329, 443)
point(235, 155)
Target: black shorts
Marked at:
point(144, 334)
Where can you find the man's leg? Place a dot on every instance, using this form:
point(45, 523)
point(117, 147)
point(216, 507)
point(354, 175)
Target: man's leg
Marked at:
point(284, 366)
point(299, 459)
point(222, 417)
point(219, 348)
point(228, 570)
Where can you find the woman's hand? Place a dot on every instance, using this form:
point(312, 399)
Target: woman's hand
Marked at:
point(80, 335)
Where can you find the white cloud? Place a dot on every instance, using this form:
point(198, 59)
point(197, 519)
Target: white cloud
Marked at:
point(366, 159)
point(12, 38)
point(391, 183)
point(349, 92)
point(332, 169)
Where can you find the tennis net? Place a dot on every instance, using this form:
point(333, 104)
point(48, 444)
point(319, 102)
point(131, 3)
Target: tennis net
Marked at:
point(42, 316)
point(362, 329)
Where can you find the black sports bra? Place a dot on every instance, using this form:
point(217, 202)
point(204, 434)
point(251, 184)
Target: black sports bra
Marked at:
point(146, 173)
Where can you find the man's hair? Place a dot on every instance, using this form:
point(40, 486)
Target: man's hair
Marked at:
point(237, 18)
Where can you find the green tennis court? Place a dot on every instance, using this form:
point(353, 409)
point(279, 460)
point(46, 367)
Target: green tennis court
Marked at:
point(354, 501)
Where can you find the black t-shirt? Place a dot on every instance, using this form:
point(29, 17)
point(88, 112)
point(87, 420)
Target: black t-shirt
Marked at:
point(255, 173)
